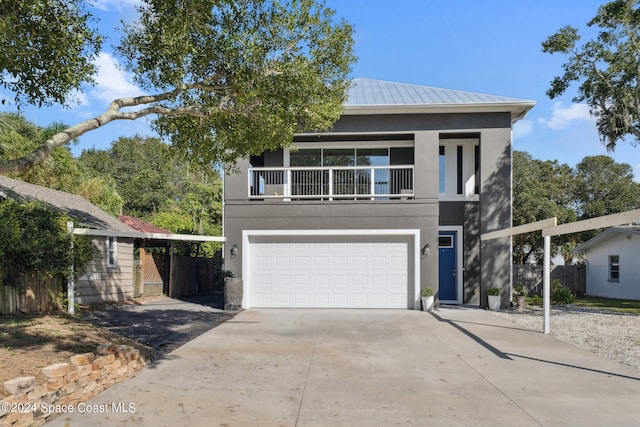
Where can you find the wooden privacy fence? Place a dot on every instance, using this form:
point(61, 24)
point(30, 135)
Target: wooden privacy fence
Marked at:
point(572, 277)
point(32, 294)
point(195, 276)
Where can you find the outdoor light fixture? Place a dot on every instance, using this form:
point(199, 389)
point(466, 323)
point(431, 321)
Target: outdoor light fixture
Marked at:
point(234, 250)
point(425, 250)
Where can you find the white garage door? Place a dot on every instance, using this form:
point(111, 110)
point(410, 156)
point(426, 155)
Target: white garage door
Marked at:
point(350, 272)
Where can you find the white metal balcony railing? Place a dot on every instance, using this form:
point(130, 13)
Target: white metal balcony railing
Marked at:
point(329, 183)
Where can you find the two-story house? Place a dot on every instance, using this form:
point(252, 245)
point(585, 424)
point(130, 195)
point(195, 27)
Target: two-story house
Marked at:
point(392, 200)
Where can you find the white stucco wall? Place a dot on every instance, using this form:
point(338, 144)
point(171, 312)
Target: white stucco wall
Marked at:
point(628, 285)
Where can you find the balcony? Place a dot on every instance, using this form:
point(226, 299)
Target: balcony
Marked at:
point(331, 183)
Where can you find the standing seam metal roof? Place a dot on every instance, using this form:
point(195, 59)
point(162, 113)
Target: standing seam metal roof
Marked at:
point(370, 92)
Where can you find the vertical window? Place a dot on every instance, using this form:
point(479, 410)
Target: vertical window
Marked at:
point(476, 166)
point(614, 268)
point(442, 188)
point(459, 182)
point(112, 251)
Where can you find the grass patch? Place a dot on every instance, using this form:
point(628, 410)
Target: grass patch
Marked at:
point(619, 305)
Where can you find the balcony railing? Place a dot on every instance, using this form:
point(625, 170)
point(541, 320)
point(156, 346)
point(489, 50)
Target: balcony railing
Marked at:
point(329, 183)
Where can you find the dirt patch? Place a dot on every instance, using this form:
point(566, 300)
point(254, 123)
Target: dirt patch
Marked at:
point(31, 342)
point(157, 326)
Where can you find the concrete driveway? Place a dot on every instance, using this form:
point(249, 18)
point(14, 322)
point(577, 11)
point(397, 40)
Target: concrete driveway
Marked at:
point(164, 323)
point(292, 367)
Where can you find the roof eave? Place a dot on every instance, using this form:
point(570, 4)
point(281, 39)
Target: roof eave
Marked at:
point(518, 110)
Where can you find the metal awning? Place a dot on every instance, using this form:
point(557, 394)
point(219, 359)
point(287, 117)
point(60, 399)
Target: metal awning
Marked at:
point(149, 236)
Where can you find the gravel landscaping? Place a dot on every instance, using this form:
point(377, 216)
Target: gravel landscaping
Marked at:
point(612, 335)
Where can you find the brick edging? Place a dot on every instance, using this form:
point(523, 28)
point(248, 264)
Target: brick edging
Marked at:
point(67, 384)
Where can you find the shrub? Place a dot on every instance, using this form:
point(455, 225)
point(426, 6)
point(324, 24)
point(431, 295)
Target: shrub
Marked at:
point(561, 296)
point(427, 292)
point(34, 239)
point(494, 291)
point(518, 289)
point(535, 299)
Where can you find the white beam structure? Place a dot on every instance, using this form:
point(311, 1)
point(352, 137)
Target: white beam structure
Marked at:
point(141, 235)
point(550, 228)
point(543, 225)
point(546, 284)
point(520, 229)
point(612, 220)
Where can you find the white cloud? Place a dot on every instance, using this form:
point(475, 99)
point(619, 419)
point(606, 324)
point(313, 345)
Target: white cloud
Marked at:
point(77, 97)
point(562, 117)
point(117, 5)
point(522, 128)
point(111, 81)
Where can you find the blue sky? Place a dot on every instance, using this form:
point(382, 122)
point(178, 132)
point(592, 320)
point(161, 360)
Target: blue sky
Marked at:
point(488, 46)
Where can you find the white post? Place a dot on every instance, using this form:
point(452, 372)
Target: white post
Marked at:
point(330, 184)
point(372, 187)
point(287, 185)
point(546, 282)
point(71, 285)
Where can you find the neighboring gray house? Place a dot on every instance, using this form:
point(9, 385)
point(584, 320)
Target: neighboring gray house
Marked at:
point(109, 277)
point(612, 264)
point(392, 200)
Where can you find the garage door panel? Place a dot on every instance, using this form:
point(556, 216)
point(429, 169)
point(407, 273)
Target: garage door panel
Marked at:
point(339, 272)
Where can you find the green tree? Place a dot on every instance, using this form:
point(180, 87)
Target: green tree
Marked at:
point(226, 78)
point(160, 186)
point(607, 68)
point(541, 190)
point(604, 187)
point(144, 170)
point(47, 49)
point(59, 171)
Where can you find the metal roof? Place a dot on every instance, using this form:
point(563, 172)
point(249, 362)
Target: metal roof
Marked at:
point(369, 96)
point(380, 92)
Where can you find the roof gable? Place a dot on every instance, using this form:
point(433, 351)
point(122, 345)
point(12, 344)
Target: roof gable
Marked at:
point(604, 236)
point(86, 213)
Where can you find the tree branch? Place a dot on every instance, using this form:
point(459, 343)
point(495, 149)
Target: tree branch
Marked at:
point(113, 113)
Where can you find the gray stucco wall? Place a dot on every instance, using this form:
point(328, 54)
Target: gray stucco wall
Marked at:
point(495, 211)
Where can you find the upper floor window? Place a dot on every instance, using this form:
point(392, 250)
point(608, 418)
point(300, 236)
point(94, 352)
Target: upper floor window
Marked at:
point(443, 171)
point(339, 157)
point(459, 169)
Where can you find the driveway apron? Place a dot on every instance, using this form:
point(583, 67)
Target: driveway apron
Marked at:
point(461, 366)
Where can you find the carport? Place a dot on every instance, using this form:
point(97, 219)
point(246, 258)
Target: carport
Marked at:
point(149, 239)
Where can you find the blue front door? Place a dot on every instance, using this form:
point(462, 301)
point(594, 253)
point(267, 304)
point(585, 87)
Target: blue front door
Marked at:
point(447, 266)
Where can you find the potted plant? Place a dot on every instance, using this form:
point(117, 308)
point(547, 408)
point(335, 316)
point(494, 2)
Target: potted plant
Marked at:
point(494, 298)
point(427, 299)
point(518, 292)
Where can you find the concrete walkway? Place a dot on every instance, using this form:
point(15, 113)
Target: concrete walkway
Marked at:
point(291, 367)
